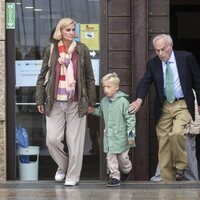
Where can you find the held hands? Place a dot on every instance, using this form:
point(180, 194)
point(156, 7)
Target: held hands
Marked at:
point(90, 109)
point(41, 109)
point(135, 105)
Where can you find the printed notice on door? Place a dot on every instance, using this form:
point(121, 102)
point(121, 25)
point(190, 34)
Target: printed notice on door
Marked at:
point(27, 72)
point(89, 35)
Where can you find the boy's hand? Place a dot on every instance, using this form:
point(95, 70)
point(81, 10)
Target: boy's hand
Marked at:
point(131, 141)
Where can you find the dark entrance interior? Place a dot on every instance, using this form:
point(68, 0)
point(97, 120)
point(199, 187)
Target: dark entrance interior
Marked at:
point(185, 31)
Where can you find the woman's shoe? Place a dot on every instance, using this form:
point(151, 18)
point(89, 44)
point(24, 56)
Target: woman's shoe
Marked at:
point(60, 175)
point(71, 183)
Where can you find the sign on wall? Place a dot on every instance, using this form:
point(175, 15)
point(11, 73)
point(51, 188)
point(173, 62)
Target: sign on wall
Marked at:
point(10, 15)
point(89, 34)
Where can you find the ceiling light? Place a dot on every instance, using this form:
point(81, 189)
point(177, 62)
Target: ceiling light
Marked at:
point(29, 7)
point(38, 9)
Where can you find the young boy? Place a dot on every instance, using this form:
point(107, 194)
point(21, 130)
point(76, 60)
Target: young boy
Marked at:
point(119, 133)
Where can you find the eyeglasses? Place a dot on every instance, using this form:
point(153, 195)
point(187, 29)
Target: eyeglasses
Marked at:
point(164, 49)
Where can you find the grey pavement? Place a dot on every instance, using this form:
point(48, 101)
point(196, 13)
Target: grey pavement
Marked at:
point(96, 190)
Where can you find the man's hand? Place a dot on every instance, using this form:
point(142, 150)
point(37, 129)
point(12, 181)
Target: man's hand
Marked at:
point(135, 105)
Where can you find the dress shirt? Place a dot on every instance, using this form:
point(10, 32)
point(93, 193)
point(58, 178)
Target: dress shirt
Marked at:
point(177, 86)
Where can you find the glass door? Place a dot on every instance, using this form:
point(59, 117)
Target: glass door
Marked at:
point(35, 19)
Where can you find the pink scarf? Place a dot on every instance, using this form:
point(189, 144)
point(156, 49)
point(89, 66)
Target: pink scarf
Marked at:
point(67, 83)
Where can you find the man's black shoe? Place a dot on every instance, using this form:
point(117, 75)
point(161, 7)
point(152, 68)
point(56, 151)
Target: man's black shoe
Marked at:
point(179, 173)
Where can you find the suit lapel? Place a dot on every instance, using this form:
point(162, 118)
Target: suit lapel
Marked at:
point(160, 78)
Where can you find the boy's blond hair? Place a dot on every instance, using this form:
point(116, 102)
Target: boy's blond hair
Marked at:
point(111, 77)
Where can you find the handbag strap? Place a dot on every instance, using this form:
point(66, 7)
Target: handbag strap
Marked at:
point(47, 74)
point(51, 50)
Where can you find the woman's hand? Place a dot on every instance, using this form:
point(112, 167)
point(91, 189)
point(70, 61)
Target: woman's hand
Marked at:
point(41, 108)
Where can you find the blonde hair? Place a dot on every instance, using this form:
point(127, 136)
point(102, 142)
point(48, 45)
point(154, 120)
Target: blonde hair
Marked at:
point(163, 36)
point(62, 24)
point(111, 77)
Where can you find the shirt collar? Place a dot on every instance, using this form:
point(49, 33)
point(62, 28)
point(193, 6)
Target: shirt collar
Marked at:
point(171, 59)
point(113, 98)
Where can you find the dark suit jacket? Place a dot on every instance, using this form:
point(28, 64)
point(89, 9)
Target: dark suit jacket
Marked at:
point(189, 74)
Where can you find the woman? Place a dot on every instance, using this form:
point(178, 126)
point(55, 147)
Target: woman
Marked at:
point(66, 98)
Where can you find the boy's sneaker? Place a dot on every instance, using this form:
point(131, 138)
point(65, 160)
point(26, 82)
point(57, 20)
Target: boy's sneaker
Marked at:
point(113, 182)
point(124, 176)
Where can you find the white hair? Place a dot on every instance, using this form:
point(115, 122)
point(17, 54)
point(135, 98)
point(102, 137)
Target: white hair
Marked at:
point(163, 36)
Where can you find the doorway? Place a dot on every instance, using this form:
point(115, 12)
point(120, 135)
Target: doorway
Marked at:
point(185, 31)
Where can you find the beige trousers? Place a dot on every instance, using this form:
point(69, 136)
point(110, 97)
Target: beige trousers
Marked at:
point(64, 121)
point(170, 132)
point(118, 161)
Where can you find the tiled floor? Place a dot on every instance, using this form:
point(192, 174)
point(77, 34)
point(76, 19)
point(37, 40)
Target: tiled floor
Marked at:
point(97, 190)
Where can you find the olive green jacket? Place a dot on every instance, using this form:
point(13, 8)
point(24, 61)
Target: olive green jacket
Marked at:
point(85, 80)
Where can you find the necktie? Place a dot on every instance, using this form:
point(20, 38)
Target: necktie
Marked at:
point(170, 94)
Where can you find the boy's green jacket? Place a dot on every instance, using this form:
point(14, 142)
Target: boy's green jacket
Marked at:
point(119, 124)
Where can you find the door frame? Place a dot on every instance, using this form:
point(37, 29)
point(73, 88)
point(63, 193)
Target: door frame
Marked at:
point(10, 103)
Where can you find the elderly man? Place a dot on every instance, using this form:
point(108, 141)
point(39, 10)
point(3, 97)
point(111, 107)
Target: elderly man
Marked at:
point(174, 74)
